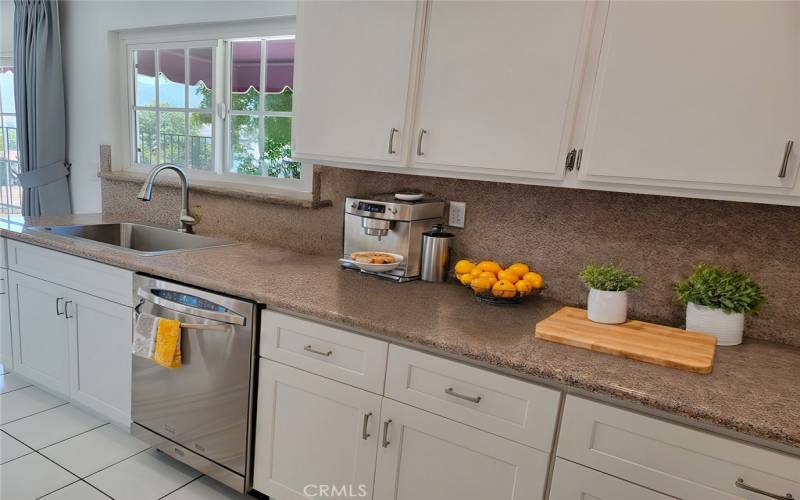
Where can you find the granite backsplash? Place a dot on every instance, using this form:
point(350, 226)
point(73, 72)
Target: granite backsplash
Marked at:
point(557, 230)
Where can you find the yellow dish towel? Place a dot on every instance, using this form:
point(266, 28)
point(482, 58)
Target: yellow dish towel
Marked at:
point(168, 343)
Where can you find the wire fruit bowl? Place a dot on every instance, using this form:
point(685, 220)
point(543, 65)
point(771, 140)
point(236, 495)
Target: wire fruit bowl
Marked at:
point(518, 298)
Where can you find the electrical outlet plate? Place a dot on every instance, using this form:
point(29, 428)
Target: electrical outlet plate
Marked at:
point(458, 213)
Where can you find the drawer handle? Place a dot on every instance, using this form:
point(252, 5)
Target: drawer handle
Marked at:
point(392, 131)
point(59, 312)
point(741, 484)
point(308, 348)
point(66, 309)
point(785, 163)
point(364, 433)
point(472, 399)
point(422, 133)
point(386, 441)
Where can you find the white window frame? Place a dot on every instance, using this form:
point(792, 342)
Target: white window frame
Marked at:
point(217, 36)
point(6, 59)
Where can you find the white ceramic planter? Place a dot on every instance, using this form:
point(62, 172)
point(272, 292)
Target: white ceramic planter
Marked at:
point(728, 328)
point(608, 307)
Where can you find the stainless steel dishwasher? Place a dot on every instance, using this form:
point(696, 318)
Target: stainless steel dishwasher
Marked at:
point(199, 413)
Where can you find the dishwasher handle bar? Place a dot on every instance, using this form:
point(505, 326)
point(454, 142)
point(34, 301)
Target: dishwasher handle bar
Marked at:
point(229, 318)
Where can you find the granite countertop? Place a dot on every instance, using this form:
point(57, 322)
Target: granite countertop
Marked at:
point(754, 388)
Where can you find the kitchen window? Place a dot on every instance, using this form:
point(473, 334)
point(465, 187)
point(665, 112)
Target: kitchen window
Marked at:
point(220, 107)
point(10, 190)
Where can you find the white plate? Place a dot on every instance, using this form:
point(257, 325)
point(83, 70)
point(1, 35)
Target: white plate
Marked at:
point(376, 268)
point(409, 196)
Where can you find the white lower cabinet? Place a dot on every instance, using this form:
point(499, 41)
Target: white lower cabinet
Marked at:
point(313, 435)
point(41, 332)
point(675, 460)
point(576, 482)
point(6, 345)
point(425, 456)
point(72, 343)
point(100, 355)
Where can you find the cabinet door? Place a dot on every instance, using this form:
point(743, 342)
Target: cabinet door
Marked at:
point(499, 86)
point(353, 69)
point(6, 356)
point(575, 482)
point(100, 336)
point(40, 331)
point(423, 455)
point(696, 94)
point(313, 433)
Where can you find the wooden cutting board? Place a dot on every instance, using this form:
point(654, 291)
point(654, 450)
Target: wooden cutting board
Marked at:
point(648, 342)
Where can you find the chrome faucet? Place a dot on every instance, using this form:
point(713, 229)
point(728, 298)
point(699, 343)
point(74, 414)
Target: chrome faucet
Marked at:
point(146, 193)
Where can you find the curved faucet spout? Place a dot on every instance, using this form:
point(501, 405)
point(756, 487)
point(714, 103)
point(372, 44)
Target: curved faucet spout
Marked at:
point(146, 193)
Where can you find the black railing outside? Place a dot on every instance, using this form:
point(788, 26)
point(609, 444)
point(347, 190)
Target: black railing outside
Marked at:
point(172, 150)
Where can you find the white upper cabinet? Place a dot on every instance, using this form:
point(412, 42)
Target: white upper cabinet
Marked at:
point(353, 70)
point(701, 95)
point(498, 87)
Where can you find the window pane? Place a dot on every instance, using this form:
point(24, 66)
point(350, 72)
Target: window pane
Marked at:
point(200, 141)
point(146, 148)
point(144, 84)
point(245, 75)
point(171, 78)
point(7, 89)
point(15, 189)
point(201, 75)
point(173, 137)
point(280, 75)
point(244, 145)
point(278, 148)
point(10, 131)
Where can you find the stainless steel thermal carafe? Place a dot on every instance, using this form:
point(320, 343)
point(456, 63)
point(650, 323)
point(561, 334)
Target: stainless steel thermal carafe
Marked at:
point(436, 247)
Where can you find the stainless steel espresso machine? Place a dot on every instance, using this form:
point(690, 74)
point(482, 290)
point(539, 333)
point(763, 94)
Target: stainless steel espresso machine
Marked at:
point(384, 223)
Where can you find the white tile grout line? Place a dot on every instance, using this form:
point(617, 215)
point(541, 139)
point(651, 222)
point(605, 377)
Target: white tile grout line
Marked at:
point(58, 489)
point(15, 439)
point(17, 389)
point(35, 413)
point(181, 487)
point(115, 463)
point(61, 441)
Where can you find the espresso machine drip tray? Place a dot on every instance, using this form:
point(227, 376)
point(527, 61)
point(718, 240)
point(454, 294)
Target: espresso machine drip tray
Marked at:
point(383, 223)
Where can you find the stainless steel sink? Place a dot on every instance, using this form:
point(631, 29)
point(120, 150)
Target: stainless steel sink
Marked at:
point(136, 238)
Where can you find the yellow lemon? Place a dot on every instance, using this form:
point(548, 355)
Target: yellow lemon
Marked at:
point(480, 285)
point(489, 276)
point(519, 268)
point(465, 278)
point(524, 287)
point(464, 266)
point(504, 289)
point(508, 275)
point(535, 279)
point(490, 265)
point(476, 271)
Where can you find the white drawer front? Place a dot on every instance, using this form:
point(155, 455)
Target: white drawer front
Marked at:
point(518, 410)
point(670, 458)
point(575, 482)
point(94, 278)
point(338, 354)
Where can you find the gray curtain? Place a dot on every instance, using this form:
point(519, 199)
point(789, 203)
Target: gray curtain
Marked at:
point(41, 120)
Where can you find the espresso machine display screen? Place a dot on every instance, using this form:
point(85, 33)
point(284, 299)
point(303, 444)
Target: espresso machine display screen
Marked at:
point(371, 207)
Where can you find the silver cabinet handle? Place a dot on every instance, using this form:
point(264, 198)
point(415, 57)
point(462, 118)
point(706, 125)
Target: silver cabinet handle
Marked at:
point(386, 441)
point(66, 309)
point(471, 399)
point(392, 131)
point(308, 348)
point(422, 133)
point(741, 484)
point(785, 163)
point(59, 312)
point(3, 292)
point(364, 433)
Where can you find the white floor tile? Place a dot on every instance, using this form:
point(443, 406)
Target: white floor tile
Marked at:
point(76, 491)
point(52, 426)
point(146, 476)
point(206, 488)
point(94, 450)
point(10, 382)
point(10, 448)
point(24, 402)
point(30, 477)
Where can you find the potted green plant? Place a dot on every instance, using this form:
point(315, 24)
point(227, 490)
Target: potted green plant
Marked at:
point(717, 300)
point(608, 292)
